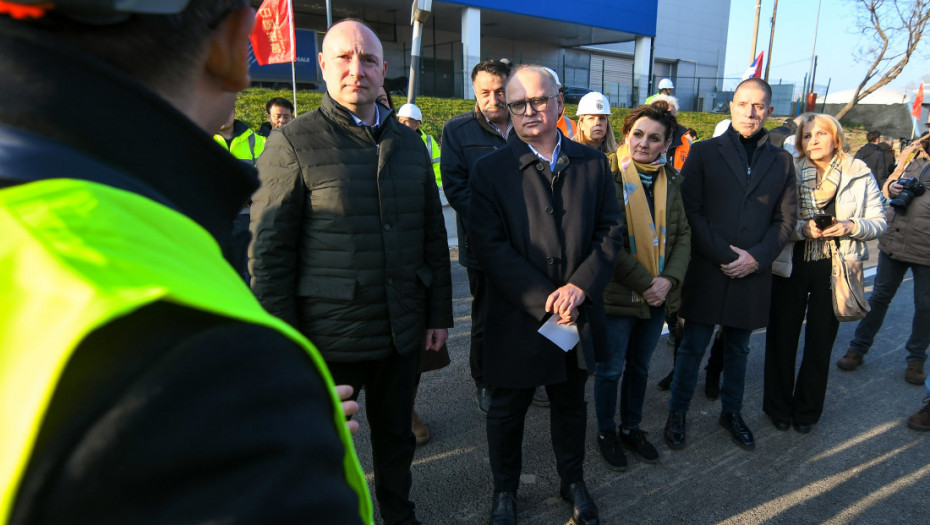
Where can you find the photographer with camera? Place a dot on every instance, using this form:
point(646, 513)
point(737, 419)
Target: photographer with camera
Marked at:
point(905, 244)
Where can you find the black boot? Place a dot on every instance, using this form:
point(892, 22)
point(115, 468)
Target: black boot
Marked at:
point(666, 382)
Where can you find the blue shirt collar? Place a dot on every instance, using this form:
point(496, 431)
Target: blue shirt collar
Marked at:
point(555, 153)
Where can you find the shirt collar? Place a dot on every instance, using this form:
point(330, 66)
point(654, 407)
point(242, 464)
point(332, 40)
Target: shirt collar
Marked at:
point(503, 133)
point(555, 153)
point(360, 122)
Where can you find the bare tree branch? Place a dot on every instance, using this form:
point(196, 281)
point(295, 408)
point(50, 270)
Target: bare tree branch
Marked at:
point(909, 20)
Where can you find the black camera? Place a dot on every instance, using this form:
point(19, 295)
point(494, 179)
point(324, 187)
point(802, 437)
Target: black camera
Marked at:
point(912, 189)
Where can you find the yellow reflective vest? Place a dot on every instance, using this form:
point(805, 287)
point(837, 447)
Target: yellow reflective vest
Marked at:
point(433, 148)
point(64, 252)
point(247, 146)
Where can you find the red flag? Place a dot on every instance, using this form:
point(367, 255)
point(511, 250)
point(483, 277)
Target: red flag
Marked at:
point(918, 102)
point(273, 33)
point(754, 69)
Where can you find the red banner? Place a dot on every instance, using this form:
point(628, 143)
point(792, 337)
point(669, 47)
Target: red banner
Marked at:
point(918, 102)
point(273, 33)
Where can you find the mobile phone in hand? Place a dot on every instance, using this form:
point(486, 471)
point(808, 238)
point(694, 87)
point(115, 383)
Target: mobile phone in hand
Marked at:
point(823, 220)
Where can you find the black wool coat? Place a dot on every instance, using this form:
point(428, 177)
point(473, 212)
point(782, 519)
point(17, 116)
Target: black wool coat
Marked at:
point(726, 206)
point(532, 236)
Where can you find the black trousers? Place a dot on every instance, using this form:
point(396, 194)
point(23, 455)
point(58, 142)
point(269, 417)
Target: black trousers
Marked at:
point(807, 291)
point(389, 385)
point(568, 420)
point(476, 285)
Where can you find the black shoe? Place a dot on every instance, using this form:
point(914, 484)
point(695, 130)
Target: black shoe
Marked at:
point(503, 509)
point(803, 428)
point(675, 430)
point(584, 512)
point(483, 396)
point(636, 442)
point(712, 384)
point(611, 451)
point(666, 382)
point(540, 397)
point(781, 424)
point(739, 432)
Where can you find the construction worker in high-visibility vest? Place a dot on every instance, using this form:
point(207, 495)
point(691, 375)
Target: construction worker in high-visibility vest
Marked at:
point(246, 145)
point(411, 116)
point(140, 379)
point(665, 88)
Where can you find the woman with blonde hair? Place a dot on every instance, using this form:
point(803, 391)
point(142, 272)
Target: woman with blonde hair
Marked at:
point(594, 127)
point(839, 209)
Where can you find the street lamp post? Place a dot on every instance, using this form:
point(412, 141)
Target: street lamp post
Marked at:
point(418, 15)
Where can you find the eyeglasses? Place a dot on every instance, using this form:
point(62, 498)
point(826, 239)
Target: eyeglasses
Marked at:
point(518, 107)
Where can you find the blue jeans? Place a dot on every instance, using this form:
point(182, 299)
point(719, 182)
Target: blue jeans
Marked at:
point(888, 278)
point(631, 342)
point(693, 345)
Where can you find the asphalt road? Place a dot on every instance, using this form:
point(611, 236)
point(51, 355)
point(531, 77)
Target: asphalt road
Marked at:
point(860, 464)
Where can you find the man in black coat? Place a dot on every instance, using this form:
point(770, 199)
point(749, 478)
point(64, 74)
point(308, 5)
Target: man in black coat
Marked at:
point(740, 197)
point(874, 157)
point(465, 139)
point(167, 413)
point(545, 224)
point(787, 129)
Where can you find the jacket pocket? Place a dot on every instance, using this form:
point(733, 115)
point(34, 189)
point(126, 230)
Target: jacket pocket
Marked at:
point(333, 288)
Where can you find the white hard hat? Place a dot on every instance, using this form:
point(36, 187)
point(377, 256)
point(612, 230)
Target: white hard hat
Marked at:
point(555, 75)
point(410, 111)
point(666, 83)
point(593, 103)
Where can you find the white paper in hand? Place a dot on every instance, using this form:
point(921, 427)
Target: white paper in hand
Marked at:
point(565, 336)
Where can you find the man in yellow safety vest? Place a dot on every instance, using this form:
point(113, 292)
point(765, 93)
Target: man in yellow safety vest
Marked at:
point(140, 380)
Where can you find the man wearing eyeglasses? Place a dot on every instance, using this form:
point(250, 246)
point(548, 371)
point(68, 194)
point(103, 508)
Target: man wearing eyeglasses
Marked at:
point(545, 226)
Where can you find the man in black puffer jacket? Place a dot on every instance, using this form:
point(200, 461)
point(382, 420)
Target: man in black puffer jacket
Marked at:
point(349, 246)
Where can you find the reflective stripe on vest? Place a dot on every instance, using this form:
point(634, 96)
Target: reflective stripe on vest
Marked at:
point(64, 254)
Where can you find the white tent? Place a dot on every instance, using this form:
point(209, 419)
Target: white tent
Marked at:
point(883, 95)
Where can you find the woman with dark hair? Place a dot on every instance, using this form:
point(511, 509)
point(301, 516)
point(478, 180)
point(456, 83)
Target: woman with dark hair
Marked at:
point(839, 209)
point(646, 281)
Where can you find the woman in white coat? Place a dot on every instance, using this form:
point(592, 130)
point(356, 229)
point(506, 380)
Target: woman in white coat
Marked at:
point(830, 182)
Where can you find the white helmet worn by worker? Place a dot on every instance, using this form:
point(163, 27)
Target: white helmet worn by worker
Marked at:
point(666, 83)
point(410, 111)
point(593, 103)
point(558, 83)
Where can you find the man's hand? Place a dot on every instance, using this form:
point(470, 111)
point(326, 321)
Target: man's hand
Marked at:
point(744, 264)
point(657, 292)
point(569, 318)
point(349, 408)
point(894, 189)
point(564, 300)
point(435, 338)
point(840, 229)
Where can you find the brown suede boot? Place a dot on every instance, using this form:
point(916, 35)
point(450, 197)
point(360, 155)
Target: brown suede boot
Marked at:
point(915, 374)
point(420, 429)
point(921, 419)
point(850, 361)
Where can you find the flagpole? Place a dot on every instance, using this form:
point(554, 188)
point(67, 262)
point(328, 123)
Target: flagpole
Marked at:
point(290, 7)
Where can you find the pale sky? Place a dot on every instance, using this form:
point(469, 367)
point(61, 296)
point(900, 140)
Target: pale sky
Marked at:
point(837, 41)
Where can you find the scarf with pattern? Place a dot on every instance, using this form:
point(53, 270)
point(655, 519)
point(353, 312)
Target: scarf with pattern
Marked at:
point(814, 194)
point(646, 231)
